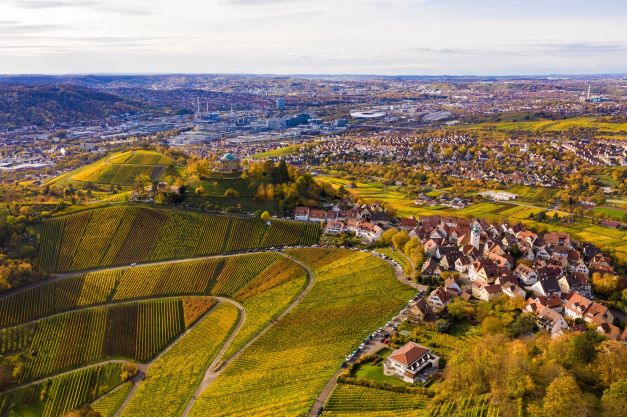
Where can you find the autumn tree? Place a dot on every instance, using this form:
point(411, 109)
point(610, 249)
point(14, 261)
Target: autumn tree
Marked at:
point(564, 398)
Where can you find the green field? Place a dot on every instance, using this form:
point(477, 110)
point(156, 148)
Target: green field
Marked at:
point(539, 126)
point(123, 235)
point(118, 169)
point(277, 153)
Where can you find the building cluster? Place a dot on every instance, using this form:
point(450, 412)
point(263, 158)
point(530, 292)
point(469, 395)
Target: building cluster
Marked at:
point(549, 270)
point(535, 162)
point(364, 221)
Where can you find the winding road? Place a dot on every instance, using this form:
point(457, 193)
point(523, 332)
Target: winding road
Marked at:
point(218, 365)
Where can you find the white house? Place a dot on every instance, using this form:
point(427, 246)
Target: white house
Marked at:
point(526, 274)
point(410, 360)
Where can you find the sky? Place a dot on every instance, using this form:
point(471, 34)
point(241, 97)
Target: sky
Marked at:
point(392, 37)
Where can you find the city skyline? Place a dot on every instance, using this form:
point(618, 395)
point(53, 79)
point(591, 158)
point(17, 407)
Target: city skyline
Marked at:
point(388, 37)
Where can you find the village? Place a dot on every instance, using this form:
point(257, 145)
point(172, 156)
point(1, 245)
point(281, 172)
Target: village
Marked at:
point(480, 261)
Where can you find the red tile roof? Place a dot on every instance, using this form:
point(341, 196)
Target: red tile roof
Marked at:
point(409, 353)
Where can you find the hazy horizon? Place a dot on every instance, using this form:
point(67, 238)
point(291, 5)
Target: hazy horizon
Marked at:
point(291, 37)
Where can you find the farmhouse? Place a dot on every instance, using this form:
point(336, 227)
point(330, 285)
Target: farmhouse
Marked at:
point(410, 361)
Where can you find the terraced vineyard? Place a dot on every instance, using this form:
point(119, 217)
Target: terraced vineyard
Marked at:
point(128, 234)
point(172, 379)
point(287, 367)
point(119, 169)
point(240, 277)
point(181, 318)
point(53, 397)
point(136, 330)
point(355, 399)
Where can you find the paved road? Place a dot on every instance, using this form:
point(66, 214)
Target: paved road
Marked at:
point(217, 366)
point(370, 348)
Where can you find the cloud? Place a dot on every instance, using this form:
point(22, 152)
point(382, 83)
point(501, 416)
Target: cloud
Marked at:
point(8, 27)
point(90, 4)
point(529, 49)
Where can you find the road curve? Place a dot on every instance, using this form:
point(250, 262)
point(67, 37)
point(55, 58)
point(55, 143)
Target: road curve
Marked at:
point(217, 366)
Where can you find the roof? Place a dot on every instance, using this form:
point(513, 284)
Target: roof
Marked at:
point(409, 353)
point(228, 157)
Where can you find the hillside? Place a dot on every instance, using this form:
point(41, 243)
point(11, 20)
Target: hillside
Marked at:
point(118, 169)
point(127, 234)
point(47, 105)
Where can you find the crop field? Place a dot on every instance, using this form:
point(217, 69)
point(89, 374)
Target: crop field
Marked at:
point(136, 330)
point(349, 299)
point(174, 377)
point(127, 234)
point(57, 395)
point(118, 169)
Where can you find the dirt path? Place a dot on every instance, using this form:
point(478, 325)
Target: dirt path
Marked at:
point(217, 366)
point(145, 367)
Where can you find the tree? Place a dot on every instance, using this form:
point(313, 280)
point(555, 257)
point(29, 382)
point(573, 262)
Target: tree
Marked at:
point(231, 192)
point(386, 237)
point(265, 216)
point(200, 190)
point(460, 309)
point(564, 398)
point(142, 181)
point(400, 239)
point(614, 400)
point(605, 284)
point(523, 324)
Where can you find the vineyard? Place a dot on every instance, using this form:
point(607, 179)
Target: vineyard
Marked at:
point(351, 401)
point(118, 169)
point(173, 378)
point(53, 397)
point(288, 366)
point(136, 330)
point(365, 400)
point(240, 276)
point(129, 234)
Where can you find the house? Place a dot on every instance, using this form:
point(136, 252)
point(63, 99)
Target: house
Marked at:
point(512, 290)
point(408, 223)
point(452, 287)
point(316, 215)
point(334, 227)
point(438, 299)
point(550, 320)
point(419, 312)
point(546, 287)
point(483, 270)
point(485, 292)
point(575, 282)
point(462, 264)
point(431, 268)
point(369, 232)
point(411, 361)
point(576, 305)
point(557, 239)
point(598, 313)
point(526, 274)
point(301, 213)
point(527, 236)
point(609, 330)
point(448, 261)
